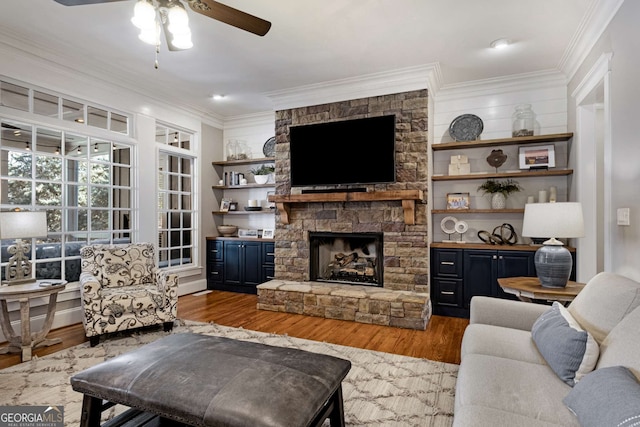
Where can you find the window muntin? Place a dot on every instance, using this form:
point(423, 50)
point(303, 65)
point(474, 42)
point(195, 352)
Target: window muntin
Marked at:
point(86, 192)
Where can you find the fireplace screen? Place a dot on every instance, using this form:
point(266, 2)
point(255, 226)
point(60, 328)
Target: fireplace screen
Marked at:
point(354, 258)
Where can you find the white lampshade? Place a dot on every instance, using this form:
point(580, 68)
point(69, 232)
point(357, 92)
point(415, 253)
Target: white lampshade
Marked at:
point(553, 220)
point(23, 224)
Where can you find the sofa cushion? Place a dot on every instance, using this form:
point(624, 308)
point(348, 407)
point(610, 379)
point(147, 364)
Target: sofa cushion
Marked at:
point(131, 299)
point(568, 349)
point(604, 302)
point(622, 345)
point(606, 397)
point(526, 389)
point(500, 342)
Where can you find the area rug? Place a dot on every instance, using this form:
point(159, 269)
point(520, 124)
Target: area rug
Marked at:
point(381, 390)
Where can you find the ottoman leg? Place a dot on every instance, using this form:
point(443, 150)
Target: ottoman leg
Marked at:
point(336, 417)
point(91, 411)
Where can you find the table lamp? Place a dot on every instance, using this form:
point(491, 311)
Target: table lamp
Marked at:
point(553, 220)
point(21, 225)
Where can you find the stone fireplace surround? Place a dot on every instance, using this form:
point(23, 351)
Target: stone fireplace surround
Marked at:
point(404, 299)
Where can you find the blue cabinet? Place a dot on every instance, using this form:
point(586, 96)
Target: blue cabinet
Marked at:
point(458, 274)
point(238, 265)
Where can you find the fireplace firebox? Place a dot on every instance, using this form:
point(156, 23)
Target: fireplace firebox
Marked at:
point(352, 258)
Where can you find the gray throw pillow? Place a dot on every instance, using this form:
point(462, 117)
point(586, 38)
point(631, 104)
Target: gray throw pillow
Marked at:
point(606, 397)
point(570, 351)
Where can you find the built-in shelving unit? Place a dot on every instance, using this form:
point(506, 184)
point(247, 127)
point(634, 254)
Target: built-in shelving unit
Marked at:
point(222, 164)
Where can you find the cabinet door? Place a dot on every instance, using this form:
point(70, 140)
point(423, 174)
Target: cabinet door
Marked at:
point(252, 263)
point(514, 264)
point(268, 261)
point(480, 274)
point(447, 262)
point(232, 262)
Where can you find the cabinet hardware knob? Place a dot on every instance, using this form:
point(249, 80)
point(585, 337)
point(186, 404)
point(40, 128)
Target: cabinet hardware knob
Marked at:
point(494, 257)
point(215, 273)
point(271, 254)
point(447, 293)
point(270, 277)
point(447, 263)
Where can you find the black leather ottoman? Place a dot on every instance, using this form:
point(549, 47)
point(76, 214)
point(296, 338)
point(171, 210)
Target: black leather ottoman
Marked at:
point(198, 380)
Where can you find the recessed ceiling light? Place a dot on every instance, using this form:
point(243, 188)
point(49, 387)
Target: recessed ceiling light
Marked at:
point(79, 120)
point(219, 97)
point(500, 43)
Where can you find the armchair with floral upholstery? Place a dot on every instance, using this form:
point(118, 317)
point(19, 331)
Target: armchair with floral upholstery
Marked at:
point(122, 289)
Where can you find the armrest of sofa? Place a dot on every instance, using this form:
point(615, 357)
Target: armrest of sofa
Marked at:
point(506, 313)
point(89, 287)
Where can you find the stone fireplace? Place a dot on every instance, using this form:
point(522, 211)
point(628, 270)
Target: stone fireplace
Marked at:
point(350, 258)
point(400, 295)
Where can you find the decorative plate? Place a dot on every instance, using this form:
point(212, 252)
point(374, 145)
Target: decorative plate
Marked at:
point(466, 127)
point(269, 148)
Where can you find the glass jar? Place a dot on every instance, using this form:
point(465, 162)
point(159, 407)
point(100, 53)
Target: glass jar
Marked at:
point(524, 120)
point(232, 149)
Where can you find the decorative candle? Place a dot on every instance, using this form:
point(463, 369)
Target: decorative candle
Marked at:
point(553, 194)
point(531, 199)
point(542, 196)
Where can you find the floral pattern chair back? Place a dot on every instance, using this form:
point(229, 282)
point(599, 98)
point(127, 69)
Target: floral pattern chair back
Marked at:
point(120, 265)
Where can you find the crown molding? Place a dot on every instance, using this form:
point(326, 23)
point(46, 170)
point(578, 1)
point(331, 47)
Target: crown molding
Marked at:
point(402, 80)
point(265, 118)
point(596, 21)
point(519, 82)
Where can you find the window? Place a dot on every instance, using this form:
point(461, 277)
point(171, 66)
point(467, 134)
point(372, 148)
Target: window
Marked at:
point(83, 183)
point(177, 237)
point(40, 102)
point(176, 215)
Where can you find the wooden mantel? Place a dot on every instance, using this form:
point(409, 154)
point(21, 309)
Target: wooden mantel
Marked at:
point(408, 198)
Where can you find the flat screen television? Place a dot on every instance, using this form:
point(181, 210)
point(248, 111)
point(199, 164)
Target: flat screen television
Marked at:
point(358, 151)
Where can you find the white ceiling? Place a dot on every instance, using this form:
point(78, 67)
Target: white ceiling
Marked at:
point(310, 42)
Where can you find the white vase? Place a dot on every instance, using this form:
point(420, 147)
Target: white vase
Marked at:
point(498, 201)
point(261, 179)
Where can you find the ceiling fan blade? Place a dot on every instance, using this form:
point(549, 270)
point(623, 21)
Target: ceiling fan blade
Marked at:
point(82, 2)
point(228, 15)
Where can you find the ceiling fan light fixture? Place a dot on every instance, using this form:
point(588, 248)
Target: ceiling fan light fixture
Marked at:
point(178, 19)
point(144, 15)
point(150, 35)
point(182, 41)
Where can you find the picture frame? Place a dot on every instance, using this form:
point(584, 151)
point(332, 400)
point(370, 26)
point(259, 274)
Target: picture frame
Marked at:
point(268, 233)
point(233, 206)
point(224, 205)
point(458, 201)
point(537, 156)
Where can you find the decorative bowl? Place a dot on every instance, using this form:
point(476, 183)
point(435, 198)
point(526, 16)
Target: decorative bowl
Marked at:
point(227, 230)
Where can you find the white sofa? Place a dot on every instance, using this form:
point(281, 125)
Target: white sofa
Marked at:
point(505, 381)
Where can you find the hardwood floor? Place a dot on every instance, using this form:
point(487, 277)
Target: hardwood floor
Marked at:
point(440, 341)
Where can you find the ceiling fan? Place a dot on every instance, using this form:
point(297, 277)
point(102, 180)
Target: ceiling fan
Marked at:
point(210, 8)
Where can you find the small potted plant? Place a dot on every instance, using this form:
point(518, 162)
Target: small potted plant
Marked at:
point(262, 173)
point(500, 190)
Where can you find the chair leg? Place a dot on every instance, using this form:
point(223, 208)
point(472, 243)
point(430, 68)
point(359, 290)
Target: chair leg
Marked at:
point(167, 326)
point(94, 340)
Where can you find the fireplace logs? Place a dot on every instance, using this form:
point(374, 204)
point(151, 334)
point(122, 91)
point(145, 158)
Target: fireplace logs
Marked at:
point(352, 267)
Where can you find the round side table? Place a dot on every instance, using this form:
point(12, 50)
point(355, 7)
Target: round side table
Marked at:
point(26, 341)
